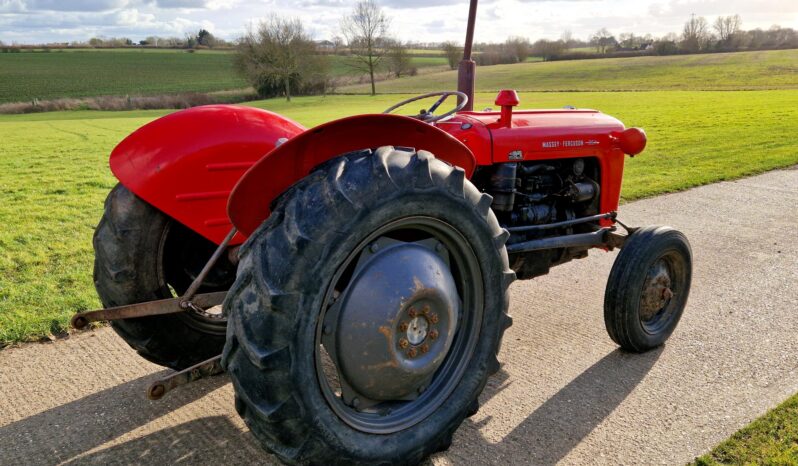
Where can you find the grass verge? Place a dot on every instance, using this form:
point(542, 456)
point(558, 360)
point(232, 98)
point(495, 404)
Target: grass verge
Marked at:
point(771, 439)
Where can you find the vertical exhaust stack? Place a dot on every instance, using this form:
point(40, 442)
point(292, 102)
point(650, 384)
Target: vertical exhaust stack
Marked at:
point(466, 72)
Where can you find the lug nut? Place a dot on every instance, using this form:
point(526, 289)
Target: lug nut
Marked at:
point(440, 247)
point(355, 402)
point(433, 334)
point(433, 318)
point(411, 352)
point(374, 247)
point(424, 348)
point(412, 312)
point(403, 327)
point(425, 310)
point(403, 343)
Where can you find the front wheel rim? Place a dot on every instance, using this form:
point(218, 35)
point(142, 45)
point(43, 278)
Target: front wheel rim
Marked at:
point(388, 416)
point(662, 290)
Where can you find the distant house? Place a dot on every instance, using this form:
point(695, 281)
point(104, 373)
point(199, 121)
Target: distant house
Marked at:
point(325, 45)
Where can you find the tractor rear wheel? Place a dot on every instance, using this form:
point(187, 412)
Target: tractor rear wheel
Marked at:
point(648, 287)
point(368, 311)
point(140, 254)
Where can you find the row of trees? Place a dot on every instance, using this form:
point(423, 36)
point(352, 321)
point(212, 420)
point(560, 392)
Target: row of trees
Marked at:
point(725, 34)
point(202, 39)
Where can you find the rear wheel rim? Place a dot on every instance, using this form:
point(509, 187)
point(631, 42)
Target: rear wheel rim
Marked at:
point(392, 416)
point(182, 255)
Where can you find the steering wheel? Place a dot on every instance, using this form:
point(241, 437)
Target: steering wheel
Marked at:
point(427, 115)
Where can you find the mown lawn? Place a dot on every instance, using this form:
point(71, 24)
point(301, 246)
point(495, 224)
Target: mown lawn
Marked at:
point(54, 175)
point(776, 69)
point(772, 439)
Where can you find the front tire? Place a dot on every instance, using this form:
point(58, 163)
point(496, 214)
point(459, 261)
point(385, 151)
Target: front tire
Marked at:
point(307, 261)
point(647, 288)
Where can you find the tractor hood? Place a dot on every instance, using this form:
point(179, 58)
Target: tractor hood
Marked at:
point(535, 134)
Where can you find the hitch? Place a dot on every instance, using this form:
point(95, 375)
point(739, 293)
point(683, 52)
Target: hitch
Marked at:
point(150, 308)
point(189, 300)
point(208, 368)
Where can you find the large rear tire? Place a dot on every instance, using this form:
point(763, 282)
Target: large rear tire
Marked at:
point(143, 255)
point(332, 232)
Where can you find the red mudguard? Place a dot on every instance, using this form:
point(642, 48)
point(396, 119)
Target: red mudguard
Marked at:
point(250, 201)
point(186, 163)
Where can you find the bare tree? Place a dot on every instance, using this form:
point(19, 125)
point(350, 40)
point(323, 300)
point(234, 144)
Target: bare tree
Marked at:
point(518, 46)
point(365, 28)
point(567, 37)
point(453, 54)
point(399, 59)
point(602, 40)
point(695, 36)
point(279, 56)
point(548, 48)
point(338, 44)
point(728, 29)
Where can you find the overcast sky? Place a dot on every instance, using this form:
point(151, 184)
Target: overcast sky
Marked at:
point(37, 21)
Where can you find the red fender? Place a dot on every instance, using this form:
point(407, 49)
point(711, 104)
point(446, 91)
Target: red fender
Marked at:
point(186, 163)
point(249, 204)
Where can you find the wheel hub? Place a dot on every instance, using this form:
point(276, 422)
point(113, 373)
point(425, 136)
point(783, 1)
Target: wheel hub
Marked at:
point(656, 291)
point(417, 330)
point(395, 323)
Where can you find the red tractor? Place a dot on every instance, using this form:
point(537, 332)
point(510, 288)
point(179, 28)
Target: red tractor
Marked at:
point(362, 266)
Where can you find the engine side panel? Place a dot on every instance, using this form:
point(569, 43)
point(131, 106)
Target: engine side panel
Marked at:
point(559, 134)
point(187, 163)
point(250, 201)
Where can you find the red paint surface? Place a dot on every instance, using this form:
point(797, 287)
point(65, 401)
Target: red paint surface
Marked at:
point(284, 166)
point(186, 163)
point(204, 164)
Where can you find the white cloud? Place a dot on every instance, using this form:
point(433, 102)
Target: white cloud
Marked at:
point(417, 20)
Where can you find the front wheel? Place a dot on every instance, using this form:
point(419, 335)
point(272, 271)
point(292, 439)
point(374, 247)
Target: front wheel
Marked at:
point(368, 311)
point(648, 287)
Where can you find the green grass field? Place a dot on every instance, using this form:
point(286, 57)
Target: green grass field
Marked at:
point(342, 65)
point(730, 71)
point(54, 175)
point(86, 73)
point(91, 73)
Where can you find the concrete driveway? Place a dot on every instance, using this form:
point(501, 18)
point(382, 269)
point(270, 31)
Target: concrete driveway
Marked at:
point(565, 393)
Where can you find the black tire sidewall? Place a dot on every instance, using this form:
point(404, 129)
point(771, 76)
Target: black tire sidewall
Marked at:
point(626, 281)
point(128, 244)
point(312, 231)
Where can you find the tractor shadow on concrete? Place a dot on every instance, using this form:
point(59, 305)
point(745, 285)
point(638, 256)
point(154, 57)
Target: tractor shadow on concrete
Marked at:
point(208, 440)
point(76, 432)
point(65, 433)
point(558, 425)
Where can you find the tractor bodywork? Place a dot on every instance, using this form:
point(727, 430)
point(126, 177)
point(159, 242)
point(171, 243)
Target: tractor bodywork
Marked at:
point(187, 164)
